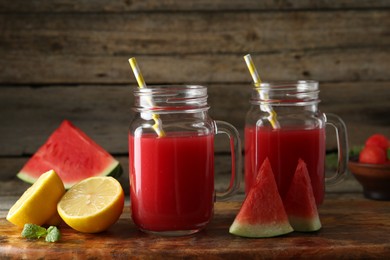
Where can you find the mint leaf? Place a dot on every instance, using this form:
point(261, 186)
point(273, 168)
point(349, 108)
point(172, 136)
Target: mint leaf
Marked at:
point(53, 234)
point(33, 231)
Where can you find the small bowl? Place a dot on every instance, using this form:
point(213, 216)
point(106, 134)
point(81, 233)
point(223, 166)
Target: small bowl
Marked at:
point(375, 179)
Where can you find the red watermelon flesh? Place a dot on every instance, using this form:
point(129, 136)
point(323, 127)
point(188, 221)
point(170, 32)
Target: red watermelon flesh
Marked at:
point(262, 213)
point(73, 155)
point(300, 203)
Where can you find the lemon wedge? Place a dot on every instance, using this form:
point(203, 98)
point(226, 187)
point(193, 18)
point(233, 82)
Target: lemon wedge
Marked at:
point(92, 205)
point(39, 202)
point(54, 220)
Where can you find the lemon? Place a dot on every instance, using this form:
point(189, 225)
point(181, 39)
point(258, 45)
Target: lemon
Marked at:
point(92, 205)
point(54, 220)
point(39, 202)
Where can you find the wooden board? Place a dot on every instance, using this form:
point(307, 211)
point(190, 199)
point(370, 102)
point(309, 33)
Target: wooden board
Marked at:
point(60, 6)
point(335, 65)
point(352, 228)
point(198, 47)
point(219, 32)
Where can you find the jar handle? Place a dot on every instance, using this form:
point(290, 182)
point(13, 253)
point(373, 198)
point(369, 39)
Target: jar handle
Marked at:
point(236, 159)
point(342, 147)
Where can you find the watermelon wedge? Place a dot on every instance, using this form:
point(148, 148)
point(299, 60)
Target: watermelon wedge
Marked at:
point(300, 203)
point(73, 155)
point(262, 213)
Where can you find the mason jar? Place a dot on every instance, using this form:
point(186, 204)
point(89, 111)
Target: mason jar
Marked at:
point(171, 159)
point(284, 125)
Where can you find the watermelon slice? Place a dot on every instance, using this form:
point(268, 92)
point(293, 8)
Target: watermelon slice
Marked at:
point(73, 155)
point(262, 213)
point(300, 203)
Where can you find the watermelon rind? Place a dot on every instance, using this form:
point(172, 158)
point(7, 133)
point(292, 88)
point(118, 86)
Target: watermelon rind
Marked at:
point(304, 224)
point(117, 171)
point(262, 230)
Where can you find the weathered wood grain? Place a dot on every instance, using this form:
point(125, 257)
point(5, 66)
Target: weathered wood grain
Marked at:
point(327, 65)
point(352, 228)
point(191, 33)
point(86, 6)
point(194, 47)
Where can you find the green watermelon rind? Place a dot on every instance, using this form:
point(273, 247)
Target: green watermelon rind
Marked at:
point(260, 230)
point(303, 224)
point(117, 171)
point(114, 169)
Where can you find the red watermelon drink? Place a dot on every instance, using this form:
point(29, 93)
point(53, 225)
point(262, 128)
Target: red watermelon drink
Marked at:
point(172, 167)
point(284, 147)
point(285, 125)
point(172, 181)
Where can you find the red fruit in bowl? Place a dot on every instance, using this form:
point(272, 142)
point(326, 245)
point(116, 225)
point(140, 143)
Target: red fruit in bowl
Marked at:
point(378, 140)
point(373, 155)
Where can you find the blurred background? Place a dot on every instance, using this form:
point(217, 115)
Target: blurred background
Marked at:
point(63, 59)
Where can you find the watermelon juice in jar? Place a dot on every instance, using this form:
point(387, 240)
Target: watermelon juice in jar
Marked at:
point(172, 167)
point(175, 181)
point(299, 133)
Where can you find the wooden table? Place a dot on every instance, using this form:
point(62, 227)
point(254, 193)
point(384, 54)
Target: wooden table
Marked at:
point(353, 227)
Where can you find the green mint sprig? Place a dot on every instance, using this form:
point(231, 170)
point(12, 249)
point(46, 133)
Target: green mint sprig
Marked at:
point(53, 234)
point(32, 231)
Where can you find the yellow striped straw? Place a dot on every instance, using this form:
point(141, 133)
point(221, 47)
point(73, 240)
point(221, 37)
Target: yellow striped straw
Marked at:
point(141, 83)
point(256, 79)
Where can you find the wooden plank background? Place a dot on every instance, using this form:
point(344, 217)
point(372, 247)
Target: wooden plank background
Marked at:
point(68, 60)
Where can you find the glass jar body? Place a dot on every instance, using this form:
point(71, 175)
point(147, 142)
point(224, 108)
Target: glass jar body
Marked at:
point(284, 125)
point(301, 135)
point(171, 160)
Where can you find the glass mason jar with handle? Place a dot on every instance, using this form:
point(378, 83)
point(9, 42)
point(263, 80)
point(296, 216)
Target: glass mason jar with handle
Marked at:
point(285, 125)
point(171, 160)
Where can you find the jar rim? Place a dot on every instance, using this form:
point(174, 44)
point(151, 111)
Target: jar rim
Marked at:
point(171, 98)
point(286, 93)
point(300, 85)
point(156, 89)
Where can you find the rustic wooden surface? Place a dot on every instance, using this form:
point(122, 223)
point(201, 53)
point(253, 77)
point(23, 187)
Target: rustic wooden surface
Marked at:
point(352, 227)
point(91, 48)
point(59, 6)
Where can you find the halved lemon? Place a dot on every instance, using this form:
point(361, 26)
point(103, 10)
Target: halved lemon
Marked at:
point(54, 220)
point(92, 205)
point(39, 202)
